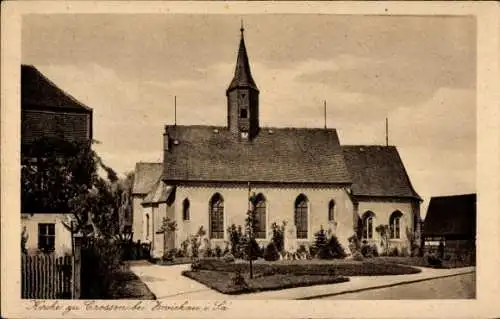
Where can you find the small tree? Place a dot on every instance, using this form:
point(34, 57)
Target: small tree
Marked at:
point(320, 241)
point(236, 239)
point(251, 228)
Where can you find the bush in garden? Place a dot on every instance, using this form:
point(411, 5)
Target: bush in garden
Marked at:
point(101, 259)
point(195, 265)
point(217, 251)
point(278, 237)
point(208, 252)
point(271, 252)
point(369, 251)
point(394, 252)
point(358, 256)
point(228, 258)
point(251, 247)
point(320, 241)
point(184, 247)
point(236, 239)
point(238, 279)
point(434, 260)
point(169, 255)
point(354, 244)
point(336, 248)
point(226, 250)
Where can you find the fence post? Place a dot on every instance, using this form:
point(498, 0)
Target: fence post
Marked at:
point(77, 264)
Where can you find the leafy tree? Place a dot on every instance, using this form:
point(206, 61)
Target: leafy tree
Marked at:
point(251, 227)
point(320, 241)
point(62, 176)
point(279, 236)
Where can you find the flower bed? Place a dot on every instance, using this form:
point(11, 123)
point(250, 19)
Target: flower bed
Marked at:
point(223, 281)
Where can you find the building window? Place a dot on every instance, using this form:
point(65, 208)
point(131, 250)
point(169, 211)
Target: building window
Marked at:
point(46, 237)
point(216, 216)
point(368, 219)
point(243, 113)
point(185, 209)
point(147, 226)
point(395, 224)
point(300, 216)
point(260, 214)
point(331, 211)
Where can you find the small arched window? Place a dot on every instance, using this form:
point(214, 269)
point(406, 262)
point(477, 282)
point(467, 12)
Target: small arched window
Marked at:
point(185, 209)
point(368, 219)
point(331, 211)
point(395, 224)
point(260, 214)
point(216, 216)
point(300, 216)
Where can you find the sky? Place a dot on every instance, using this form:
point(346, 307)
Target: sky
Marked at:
point(418, 71)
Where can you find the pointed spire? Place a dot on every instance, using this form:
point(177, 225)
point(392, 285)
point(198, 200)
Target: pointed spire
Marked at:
point(242, 74)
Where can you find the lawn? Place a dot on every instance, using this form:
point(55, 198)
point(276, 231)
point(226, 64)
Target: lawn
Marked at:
point(223, 281)
point(126, 285)
point(422, 262)
point(219, 275)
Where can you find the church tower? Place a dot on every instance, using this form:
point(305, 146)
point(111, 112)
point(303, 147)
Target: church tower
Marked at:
point(243, 97)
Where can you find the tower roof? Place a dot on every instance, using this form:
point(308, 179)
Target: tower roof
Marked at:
point(242, 74)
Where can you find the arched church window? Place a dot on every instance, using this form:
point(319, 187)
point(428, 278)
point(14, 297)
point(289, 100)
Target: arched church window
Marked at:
point(185, 209)
point(260, 214)
point(395, 224)
point(216, 222)
point(300, 216)
point(368, 219)
point(331, 211)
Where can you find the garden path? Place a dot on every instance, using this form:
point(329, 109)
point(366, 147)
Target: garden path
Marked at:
point(166, 282)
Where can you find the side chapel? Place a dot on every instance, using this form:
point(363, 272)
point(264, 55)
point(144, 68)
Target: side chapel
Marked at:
point(303, 176)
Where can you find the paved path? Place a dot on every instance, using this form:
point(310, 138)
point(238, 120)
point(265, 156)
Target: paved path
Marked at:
point(455, 287)
point(166, 282)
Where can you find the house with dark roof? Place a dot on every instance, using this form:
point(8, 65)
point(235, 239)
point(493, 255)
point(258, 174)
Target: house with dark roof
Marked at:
point(451, 220)
point(48, 112)
point(301, 176)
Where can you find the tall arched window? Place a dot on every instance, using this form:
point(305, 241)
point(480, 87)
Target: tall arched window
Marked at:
point(395, 224)
point(147, 226)
point(300, 216)
point(331, 211)
point(368, 219)
point(260, 214)
point(216, 216)
point(185, 209)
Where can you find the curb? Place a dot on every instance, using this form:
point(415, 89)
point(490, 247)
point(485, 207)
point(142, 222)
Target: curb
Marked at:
point(382, 286)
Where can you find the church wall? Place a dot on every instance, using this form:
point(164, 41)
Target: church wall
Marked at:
point(137, 217)
point(383, 211)
point(279, 204)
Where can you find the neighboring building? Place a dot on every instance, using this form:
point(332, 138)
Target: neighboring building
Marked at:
point(47, 111)
point(301, 175)
point(452, 221)
point(146, 175)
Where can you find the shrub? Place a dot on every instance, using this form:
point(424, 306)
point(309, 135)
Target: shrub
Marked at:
point(336, 249)
point(278, 237)
point(195, 265)
point(218, 251)
point(358, 256)
point(184, 247)
point(238, 279)
point(271, 252)
point(354, 244)
point(100, 260)
point(228, 258)
point(394, 252)
point(251, 248)
point(369, 251)
point(320, 241)
point(434, 261)
point(236, 240)
point(226, 251)
point(208, 252)
point(169, 255)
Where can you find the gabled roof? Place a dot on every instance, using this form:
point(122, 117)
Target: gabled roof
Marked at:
point(451, 215)
point(159, 193)
point(377, 171)
point(279, 155)
point(37, 91)
point(146, 175)
point(242, 74)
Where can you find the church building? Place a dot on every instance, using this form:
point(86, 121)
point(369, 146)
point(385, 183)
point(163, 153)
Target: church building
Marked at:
point(302, 176)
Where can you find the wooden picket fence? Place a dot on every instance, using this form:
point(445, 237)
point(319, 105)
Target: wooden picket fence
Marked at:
point(46, 277)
